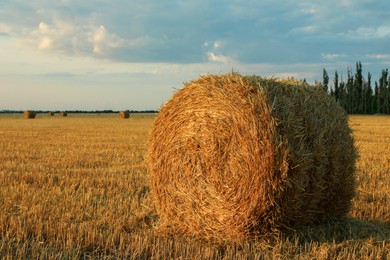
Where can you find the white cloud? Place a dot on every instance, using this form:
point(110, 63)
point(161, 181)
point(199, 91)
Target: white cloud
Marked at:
point(214, 52)
point(45, 43)
point(43, 28)
point(103, 41)
point(331, 56)
point(251, 32)
point(99, 34)
point(137, 42)
point(310, 28)
point(216, 58)
point(305, 29)
point(309, 10)
point(369, 32)
point(286, 75)
point(346, 2)
point(382, 31)
point(72, 38)
point(254, 31)
point(378, 56)
point(4, 29)
point(98, 38)
point(47, 36)
point(217, 44)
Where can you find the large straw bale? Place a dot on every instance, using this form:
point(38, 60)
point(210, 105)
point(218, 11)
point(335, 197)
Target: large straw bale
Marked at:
point(231, 156)
point(29, 114)
point(124, 114)
point(63, 113)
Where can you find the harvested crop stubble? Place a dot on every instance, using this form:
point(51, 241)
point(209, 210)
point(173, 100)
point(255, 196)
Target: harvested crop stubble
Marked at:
point(29, 114)
point(232, 156)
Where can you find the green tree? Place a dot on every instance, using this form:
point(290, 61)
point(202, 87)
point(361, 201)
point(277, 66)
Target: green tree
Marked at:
point(357, 98)
point(369, 107)
point(376, 98)
point(325, 80)
point(336, 86)
point(382, 99)
point(387, 95)
point(343, 95)
point(350, 94)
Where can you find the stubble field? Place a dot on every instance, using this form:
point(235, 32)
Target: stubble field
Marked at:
point(77, 187)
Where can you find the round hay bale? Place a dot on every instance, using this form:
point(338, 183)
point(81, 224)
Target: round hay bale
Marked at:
point(63, 113)
point(51, 113)
point(124, 114)
point(232, 156)
point(29, 114)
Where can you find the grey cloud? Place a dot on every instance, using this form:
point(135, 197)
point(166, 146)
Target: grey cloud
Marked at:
point(176, 31)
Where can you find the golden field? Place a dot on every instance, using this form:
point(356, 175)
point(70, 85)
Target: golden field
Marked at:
point(77, 187)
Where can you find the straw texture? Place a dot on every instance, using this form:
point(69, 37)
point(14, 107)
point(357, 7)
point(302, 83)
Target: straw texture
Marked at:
point(124, 114)
point(29, 114)
point(230, 157)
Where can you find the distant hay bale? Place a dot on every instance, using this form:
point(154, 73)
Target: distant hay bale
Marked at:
point(232, 156)
point(51, 113)
point(124, 114)
point(29, 114)
point(63, 113)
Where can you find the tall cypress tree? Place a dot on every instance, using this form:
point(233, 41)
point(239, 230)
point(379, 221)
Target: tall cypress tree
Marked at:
point(342, 96)
point(377, 99)
point(356, 95)
point(325, 80)
point(358, 89)
point(387, 95)
point(382, 100)
point(369, 96)
point(336, 86)
point(350, 94)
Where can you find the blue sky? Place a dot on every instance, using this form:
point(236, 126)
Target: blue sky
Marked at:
point(109, 54)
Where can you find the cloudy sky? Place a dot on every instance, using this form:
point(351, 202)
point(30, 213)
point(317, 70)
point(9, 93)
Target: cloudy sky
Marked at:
point(109, 54)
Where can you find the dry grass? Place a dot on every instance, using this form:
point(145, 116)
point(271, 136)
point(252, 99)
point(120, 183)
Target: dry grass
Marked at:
point(79, 188)
point(229, 159)
point(124, 114)
point(29, 114)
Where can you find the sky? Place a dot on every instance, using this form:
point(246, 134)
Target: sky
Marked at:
point(110, 54)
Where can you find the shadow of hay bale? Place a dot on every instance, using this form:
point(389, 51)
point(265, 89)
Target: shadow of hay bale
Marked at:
point(230, 157)
point(342, 230)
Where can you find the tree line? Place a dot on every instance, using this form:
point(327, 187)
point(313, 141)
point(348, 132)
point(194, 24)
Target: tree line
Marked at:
point(359, 95)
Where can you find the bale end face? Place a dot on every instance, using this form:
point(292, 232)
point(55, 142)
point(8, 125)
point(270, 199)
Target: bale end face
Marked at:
point(124, 114)
point(29, 114)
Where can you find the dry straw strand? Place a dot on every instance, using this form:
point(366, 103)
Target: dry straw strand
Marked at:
point(29, 114)
point(234, 156)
